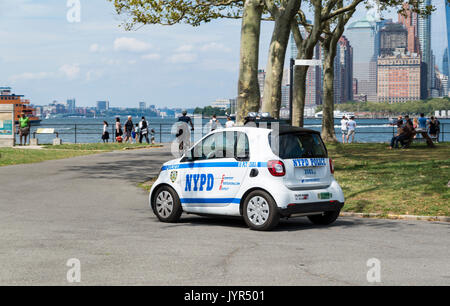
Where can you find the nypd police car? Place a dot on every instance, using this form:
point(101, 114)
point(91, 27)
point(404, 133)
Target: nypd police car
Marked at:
point(260, 174)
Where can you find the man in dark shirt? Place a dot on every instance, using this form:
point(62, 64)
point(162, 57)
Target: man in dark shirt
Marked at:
point(186, 119)
point(129, 128)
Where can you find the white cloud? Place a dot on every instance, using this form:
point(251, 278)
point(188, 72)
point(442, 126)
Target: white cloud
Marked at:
point(93, 75)
point(94, 48)
point(28, 76)
point(71, 71)
point(151, 56)
point(183, 58)
point(184, 49)
point(131, 45)
point(216, 47)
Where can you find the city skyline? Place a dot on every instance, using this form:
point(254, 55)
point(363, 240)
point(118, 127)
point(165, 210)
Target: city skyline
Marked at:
point(48, 58)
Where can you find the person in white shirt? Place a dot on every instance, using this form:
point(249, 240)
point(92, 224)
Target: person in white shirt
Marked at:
point(351, 125)
point(344, 128)
point(229, 123)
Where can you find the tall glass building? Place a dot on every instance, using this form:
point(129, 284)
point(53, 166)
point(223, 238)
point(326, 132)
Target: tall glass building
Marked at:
point(425, 45)
point(447, 17)
point(363, 38)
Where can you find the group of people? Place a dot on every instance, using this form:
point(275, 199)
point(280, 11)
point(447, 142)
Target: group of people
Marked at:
point(407, 129)
point(348, 128)
point(133, 132)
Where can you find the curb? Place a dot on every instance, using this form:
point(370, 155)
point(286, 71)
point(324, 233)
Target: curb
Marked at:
point(397, 217)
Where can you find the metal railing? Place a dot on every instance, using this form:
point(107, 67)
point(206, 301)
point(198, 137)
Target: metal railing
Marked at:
point(90, 132)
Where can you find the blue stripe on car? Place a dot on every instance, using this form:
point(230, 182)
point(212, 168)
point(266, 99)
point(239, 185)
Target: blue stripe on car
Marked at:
point(215, 165)
point(210, 200)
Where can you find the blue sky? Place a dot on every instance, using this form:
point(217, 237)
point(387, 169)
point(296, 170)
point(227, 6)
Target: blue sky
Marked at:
point(47, 58)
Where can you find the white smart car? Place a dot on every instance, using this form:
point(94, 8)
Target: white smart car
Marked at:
point(257, 173)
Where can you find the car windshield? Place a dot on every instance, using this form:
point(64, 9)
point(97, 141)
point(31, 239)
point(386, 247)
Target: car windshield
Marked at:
point(299, 145)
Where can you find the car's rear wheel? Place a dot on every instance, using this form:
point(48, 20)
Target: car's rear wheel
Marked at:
point(166, 205)
point(260, 211)
point(326, 218)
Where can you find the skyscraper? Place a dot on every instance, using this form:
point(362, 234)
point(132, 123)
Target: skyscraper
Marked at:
point(445, 62)
point(362, 36)
point(71, 104)
point(424, 33)
point(447, 17)
point(343, 72)
point(392, 36)
point(409, 21)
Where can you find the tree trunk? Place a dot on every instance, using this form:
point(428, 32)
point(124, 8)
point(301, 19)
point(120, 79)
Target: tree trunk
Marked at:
point(248, 87)
point(328, 133)
point(299, 90)
point(277, 55)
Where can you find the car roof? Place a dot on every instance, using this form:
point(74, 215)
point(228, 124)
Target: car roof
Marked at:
point(284, 129)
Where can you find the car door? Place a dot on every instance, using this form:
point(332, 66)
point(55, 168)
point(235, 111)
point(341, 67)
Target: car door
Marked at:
point(216, 175)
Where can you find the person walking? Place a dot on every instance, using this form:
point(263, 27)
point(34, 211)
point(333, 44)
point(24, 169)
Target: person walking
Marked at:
point(229, 123)
point(213, 123)
point(344, 128)
point(143, 127)
point(24, 127)
point(129, 128)
point(119, 131)
point(105, 134)
point(185, 118)
point(351, 126)
point(438, 128)
point(185, 141)
point(137, 133)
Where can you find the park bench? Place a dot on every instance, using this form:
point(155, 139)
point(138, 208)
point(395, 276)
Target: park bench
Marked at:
point(425, 138)
point(56, 141)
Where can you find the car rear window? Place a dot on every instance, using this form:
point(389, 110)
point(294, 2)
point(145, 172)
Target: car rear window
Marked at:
point(298, 145)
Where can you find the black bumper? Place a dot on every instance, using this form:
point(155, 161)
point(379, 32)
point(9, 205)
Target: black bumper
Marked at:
point(304, 208)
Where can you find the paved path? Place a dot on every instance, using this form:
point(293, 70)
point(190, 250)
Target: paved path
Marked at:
point(90, 208)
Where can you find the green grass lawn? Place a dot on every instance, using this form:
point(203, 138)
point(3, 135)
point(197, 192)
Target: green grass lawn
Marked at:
point(101, 146)
point(378, 180)
point(9, 156)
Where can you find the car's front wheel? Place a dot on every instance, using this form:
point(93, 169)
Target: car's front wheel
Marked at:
point(326, 218)
point(166, 205)
point(260, 211)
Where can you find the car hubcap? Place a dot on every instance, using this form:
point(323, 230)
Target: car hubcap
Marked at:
point(258, 210)
point(164, 204)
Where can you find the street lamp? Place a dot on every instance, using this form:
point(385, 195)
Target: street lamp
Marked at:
point(299, 62)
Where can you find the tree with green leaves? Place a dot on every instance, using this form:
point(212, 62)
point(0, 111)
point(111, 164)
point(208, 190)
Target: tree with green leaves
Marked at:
point(194, 13)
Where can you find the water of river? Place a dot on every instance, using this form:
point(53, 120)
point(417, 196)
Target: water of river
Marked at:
point(89, 130)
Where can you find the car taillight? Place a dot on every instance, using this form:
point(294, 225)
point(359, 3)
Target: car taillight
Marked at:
point(331, 166)
point(276, 167)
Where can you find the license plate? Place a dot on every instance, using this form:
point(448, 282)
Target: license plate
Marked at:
point(325, 195)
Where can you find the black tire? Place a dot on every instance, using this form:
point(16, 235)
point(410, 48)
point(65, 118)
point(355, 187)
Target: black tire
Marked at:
point(273, 216)
point(167, 208)
point(327, 218)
